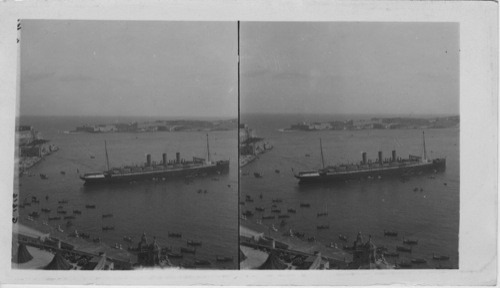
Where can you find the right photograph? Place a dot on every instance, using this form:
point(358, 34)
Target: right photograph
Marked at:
point(349, 138)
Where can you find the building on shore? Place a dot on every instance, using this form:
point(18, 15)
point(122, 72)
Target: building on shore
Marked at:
point(30, 142)
point(148, 253)
point(366, 255)
point(250, 145)
point(31, 147)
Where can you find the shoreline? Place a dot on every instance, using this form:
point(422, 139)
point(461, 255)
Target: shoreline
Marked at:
point(296, 244)
point(83, 245)
point(26, 163)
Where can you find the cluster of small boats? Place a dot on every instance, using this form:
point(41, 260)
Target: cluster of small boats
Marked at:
point(406, 249)
point(62, 214)
point(191, 248)
point(276, 213)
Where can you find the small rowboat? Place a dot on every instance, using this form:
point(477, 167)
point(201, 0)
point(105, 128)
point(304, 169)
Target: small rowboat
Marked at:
point(403, 249)
point(193, 243)
point(224, 259)
point(248, 213)
point(410, 242)
point(299, 234)
point(174, 255)
point(418, 261)
point(202, 262)
point(188, 250)
point(34, 214)
point(174, 235)
point(441, 257)
point(390, 233)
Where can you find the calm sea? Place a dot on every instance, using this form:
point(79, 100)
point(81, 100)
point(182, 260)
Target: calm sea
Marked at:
point(430, 216)
point(154, 208)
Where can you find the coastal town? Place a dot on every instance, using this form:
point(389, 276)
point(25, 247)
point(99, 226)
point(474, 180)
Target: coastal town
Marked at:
point(158, 126)
point(378, 123)
point(31, 148)
point(251, 146)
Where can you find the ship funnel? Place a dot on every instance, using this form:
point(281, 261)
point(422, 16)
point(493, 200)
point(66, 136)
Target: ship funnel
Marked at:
point(364, 157)
point(164, 158)
point(380, 159)
point(393, 155)
point(178, 157)
point(148, 160)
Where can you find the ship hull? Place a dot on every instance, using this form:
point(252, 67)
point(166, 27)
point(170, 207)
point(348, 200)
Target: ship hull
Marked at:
point(436, 165)
point(221, 167)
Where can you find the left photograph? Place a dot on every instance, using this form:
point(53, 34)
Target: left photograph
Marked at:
point(126, 145)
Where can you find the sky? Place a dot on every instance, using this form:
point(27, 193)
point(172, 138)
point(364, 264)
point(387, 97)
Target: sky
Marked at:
point(128, 68)
point(350, 68)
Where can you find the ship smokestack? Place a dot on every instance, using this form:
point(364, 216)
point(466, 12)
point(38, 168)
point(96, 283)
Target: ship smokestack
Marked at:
point(164, 158)
point(178, 157)
point(394, 156)
point(380, 159)
point(148, 160)
point(364, 157)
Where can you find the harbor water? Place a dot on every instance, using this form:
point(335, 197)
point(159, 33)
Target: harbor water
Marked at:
point(423, 207)
point(156, 208)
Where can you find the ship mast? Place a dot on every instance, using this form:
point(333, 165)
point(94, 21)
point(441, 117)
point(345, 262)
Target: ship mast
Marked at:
point(208, 151)
point(425, 152)
point(322, 158)
point(107, 158)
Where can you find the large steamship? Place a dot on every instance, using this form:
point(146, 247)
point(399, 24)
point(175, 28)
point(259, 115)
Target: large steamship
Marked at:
point(367, 169)
point(177, 168)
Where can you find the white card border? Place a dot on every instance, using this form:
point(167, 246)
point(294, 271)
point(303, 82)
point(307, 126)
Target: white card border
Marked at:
point(478, 129)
